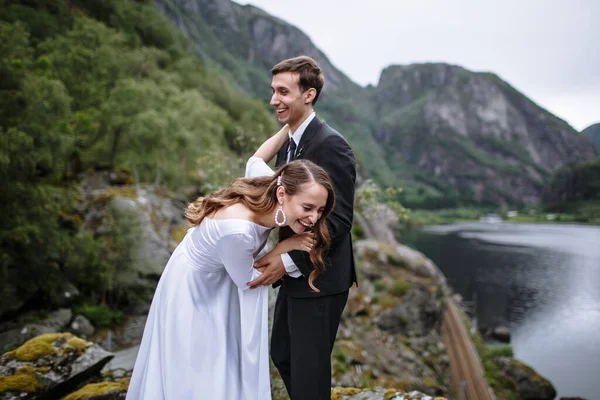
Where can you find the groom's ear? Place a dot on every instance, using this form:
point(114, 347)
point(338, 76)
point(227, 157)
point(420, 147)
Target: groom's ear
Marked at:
point(310, 95)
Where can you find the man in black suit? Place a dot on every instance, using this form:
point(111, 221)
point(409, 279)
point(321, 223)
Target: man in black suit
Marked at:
point(306, 322)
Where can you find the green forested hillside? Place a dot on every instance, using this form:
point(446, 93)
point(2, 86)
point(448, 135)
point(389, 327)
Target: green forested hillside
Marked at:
point(449, 136)
point(575, 189)
point(96, 85)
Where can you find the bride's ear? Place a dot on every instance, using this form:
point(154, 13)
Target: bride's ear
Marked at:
point(280, 194)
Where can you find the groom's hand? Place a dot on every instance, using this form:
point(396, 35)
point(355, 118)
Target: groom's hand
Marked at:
point(272, 269)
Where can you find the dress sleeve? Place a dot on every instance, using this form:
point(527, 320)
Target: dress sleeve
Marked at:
point(236, 252)
point(256, 167)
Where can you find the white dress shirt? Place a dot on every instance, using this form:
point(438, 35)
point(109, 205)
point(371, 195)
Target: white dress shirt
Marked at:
point(290, 267)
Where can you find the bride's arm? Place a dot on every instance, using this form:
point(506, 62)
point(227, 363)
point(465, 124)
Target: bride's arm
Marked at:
point(271, 146)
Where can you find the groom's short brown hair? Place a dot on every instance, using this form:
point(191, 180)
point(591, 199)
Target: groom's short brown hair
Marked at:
point(311, 76)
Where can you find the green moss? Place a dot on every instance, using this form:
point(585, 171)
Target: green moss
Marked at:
point(95, 389)
point(499, 351)
point(431, 383)
point(37, 347)
point(177, 234)
point(24, 380)
point(129, 192)
point(379, 285)
point(101, 316)
point(399, 288)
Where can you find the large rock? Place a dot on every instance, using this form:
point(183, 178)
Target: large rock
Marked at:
point(154, 220)
point(499, 333)
point(374, 253)
point(13, 338)
point(418, 314)
point(54, 322)
point(81, 326)
point(378, 394)
point(531, 384)
point(49, 366)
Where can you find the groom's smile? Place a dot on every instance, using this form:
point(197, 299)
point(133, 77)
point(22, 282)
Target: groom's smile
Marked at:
point(290, 102)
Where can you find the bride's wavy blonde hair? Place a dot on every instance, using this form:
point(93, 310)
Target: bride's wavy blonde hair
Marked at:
point(260, 196)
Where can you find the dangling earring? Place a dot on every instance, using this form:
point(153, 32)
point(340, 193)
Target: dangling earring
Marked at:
point(282, 223)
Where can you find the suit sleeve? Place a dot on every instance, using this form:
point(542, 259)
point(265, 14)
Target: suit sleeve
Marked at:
point(336, 157)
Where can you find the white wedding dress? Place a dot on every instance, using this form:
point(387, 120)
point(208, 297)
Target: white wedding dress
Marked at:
point(206, 336)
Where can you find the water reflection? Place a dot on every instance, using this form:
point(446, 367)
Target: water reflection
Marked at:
point(542, 281)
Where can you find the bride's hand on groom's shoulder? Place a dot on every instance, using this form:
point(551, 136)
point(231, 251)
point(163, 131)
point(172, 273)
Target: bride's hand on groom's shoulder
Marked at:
point(284, 129)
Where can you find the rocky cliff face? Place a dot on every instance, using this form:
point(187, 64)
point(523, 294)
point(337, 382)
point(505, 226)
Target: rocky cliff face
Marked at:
point(445, 133)
point(593, 133)
point(472, 131)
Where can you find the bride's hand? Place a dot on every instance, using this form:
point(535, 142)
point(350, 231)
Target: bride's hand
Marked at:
point(284, 130)
point(304, 241)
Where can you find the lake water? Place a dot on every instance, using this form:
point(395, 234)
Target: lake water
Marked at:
point(541, 281)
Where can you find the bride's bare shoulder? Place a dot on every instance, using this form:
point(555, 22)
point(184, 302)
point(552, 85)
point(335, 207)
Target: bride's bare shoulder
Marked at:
point(234, 211)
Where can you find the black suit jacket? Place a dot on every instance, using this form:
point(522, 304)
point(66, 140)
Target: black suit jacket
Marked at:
point(327, 148)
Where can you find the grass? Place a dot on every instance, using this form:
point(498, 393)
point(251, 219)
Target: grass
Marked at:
point(445, 216)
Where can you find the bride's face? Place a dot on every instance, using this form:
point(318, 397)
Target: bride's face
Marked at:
point(304, 209)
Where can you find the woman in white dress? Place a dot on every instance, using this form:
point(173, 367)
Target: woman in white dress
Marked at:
point(206, 336)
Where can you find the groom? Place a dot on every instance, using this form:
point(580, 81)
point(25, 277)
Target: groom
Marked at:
point(305, 322)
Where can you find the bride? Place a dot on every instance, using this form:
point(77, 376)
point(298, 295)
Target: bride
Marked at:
point(206, 336)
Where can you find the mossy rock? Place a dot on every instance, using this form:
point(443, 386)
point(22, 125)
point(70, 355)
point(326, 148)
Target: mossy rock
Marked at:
point(38, 347)
point(129, 192)
point(352, 352)
point(24, 380)
point(399, 288)
point(97, 389)
point(377, 394)
point(78, 344)
point(51, 365)
point(339, 393)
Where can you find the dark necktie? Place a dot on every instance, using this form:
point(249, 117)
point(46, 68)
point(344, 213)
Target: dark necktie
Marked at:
point(292, 150)
point(286, 232)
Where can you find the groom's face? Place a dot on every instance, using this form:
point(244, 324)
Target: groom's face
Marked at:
point(291, 104)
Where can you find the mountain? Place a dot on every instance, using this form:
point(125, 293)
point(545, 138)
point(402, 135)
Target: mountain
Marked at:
point(471, 131)
point(446, 134)
point(593, 132)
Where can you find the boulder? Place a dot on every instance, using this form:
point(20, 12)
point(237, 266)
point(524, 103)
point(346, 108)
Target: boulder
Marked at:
point(54, 322)
point(418, 314)
point(49, 366)
point(82, 327)
point(13, 338)
point(499, 333)
point(339, 393)
point(531, 384)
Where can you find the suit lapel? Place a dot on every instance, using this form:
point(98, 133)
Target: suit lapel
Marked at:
point(282, 155)
point(307, 136)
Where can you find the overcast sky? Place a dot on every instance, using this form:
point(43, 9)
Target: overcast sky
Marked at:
point(549, 50)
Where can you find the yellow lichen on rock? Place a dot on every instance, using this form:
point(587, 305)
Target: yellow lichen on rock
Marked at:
point(339, 393)
point(77, 343)
point(37, 347)
point(94, 389)
point(390, 393)
point(24, 380)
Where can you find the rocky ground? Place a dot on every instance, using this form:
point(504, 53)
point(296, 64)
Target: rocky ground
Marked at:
point(389, 335)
